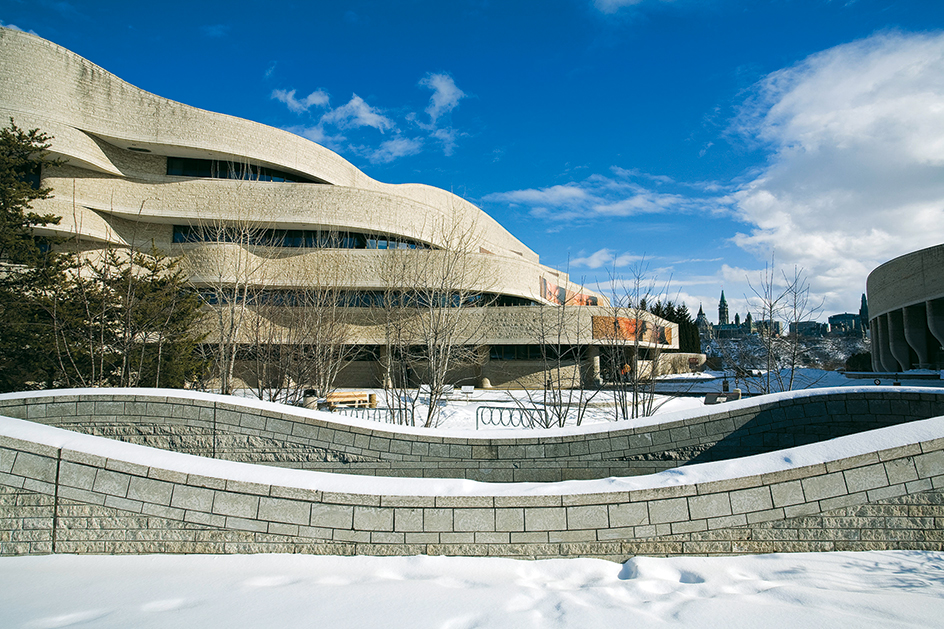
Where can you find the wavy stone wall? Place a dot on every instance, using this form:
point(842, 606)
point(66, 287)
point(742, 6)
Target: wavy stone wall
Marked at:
point(231, 429)
point(63, 492)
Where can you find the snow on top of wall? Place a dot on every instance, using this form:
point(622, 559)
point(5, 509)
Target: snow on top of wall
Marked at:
point(791, 458)
point(496, 434)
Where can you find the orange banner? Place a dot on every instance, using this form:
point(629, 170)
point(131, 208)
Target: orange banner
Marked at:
point(625, 329)
point(561, 296)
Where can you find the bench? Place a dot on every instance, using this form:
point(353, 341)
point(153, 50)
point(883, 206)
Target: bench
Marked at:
point(467, 391)
point(721, 398)
point(351, 399)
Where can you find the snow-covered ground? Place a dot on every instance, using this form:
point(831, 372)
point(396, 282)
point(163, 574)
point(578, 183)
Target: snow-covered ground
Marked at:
point(874, 589)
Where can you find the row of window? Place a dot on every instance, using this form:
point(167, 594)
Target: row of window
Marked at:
point(360, 299)
point(299, 238)
point(536, 352)
point(217, 169)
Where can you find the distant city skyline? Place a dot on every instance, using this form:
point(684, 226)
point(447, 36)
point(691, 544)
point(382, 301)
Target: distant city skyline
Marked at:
point(697, 139)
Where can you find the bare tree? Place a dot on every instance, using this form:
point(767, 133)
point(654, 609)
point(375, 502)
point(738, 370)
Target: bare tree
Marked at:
point(426, 312)
point(629, 333)
point(778, 297)
point(562, 336)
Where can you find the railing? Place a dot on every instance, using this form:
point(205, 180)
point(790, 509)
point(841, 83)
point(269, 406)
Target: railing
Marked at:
point(383, 415)
point(510, 417)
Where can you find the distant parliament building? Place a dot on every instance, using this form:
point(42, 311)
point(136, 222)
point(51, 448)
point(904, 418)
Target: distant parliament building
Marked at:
point(141, 169)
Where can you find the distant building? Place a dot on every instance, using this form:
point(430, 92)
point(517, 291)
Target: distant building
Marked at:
point(845, 324)
point(723, 310)
point(809, 329)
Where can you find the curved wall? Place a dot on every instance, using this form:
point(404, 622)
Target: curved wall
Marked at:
point(906, 309)
point(64, 492)
point(227, 428)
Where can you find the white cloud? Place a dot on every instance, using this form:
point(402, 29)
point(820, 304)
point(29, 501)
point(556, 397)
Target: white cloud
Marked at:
point(215, 30)
point(317, 98)
point(446, 95)
point(394, 149)
point(856, 174)
point(606, 258)
point(600, 196)
point(357, 113)
point(612, 6)
point(16, 28)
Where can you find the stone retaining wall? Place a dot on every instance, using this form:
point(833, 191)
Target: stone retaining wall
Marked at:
point(225, 428)
point(68, 499)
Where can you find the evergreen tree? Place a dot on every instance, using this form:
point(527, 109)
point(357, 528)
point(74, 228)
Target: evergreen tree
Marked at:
point(689, 341)
point(28, 264)
point(125, 319)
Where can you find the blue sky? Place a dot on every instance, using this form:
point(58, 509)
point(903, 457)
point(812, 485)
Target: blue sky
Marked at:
point(699, 136)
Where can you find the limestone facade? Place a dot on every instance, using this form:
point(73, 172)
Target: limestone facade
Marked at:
point(906, 310)
point(132, 177)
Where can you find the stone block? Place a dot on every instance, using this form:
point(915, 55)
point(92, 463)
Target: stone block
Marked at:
point(491, 537)
point(509, 519)
point(884, 493)
point(342, 535)
point(671, 510)
point(690, 526)
point(83, 458)
point(437, 520)
point(529, 538)
point(545, 519)
point(126, 467)
point(350, 499)
point(135, 506)
point(727, 521)
point(927, 465)
point(570, 537)
point(587, 517)
point(628, 514)
point(900, 470)
point(865, 478)
point(74, 475)
point(826, 486)
point(295, 493)
point(464, 502)
point(112, 483)
point(332, 516)
point(167, 475)
point(192, 498)
point(789, 493)
point(244, 524)
point(765, 516)
point(285, 511)
point(408, 519)
point(162, 511)
point(473, 520)
point(456, 538)
point(81, 495)
point(35, 467)
point(828, 504)
point(207, 519)
point(373, 519)
point(709, 506)
point(208, 482)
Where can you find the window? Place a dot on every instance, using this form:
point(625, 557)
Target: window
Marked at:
point(216, 169)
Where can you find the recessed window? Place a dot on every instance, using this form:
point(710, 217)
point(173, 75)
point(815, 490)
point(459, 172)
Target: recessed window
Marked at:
point(216, 169)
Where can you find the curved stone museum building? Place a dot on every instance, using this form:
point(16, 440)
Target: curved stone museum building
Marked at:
point(906, 308)
point(140, 169)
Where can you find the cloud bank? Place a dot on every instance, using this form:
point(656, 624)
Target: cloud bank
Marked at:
point(856, 169)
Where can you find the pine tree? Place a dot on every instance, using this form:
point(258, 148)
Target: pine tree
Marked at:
point(28, 264)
